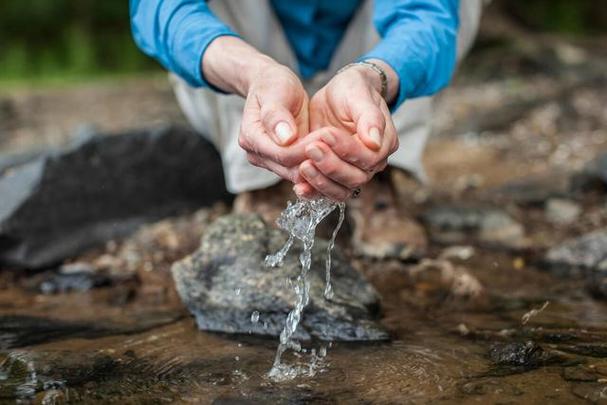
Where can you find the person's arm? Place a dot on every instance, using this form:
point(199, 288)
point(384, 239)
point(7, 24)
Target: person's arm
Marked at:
point(177, 34)
point(419, 42)
point(186, 38)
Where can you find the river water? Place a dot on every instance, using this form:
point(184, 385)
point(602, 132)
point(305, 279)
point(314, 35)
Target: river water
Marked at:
point(91, 347)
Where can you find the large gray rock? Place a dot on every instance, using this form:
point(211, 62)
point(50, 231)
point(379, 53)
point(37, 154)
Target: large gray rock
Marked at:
point(100, 188)
point(470, 224)
point(226, 281)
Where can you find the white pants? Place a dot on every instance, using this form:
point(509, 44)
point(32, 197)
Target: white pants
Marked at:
point(217, 116)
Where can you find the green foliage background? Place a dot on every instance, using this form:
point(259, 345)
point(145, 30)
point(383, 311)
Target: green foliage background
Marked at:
point(71, 38)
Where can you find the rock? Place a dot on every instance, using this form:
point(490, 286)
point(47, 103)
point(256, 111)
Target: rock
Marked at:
point(562, 212)
point(528, 354)
point(592, 177)
point(580, 256)
point(76, 277)
point(225, 281)
point(101, 188)
point(461, 224)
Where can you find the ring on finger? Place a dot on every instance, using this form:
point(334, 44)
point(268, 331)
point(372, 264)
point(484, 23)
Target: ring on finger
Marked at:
point(356, 192)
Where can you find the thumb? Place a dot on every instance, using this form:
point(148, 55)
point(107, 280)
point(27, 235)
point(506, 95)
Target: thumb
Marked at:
point(370, 124)
point(279, 123)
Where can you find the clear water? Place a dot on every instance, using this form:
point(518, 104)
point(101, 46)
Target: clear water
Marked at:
point(300, 219)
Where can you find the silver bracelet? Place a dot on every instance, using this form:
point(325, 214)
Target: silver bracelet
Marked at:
point(376, 68)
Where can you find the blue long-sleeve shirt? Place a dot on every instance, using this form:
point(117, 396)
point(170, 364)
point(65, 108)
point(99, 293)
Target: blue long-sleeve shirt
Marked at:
point(418, 36)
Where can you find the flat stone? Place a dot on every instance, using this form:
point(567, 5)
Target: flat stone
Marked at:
point(454, 224)
point(225, 282)
point(579, 256)
point(100, 188)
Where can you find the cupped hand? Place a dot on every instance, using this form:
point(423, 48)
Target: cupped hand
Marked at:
point(275, 117)
point(360, 141)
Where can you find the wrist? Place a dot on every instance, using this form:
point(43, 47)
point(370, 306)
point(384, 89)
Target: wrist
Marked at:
point(230, 64)
point(370, 76)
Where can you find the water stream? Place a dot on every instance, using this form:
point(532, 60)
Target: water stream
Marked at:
point(300, 219)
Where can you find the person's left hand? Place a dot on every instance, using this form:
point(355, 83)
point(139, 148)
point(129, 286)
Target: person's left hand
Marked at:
point(351, 102)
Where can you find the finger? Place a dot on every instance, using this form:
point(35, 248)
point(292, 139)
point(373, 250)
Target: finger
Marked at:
point(279, 123)
point(305, 190)
point(334, 168)
point(370, 123)
point(288, 173)
point(351, 149)
point(323, 184)
point(257, 142)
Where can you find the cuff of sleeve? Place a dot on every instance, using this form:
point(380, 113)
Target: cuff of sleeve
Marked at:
point(191, 45)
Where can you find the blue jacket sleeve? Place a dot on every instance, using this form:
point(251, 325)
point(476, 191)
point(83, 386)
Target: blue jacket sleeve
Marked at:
point(419, 41)
point(176, 33)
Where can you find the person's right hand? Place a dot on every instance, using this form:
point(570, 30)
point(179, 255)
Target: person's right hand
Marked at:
point(275, 117)
point(275, 121)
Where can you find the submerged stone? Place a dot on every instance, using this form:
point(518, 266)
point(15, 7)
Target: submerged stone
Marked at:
point(76, 277)
point(519, 354)
point(226, 281)
point(485, 225)
point(103, 187)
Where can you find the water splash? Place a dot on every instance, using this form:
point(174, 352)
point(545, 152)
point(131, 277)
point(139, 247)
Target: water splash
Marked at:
point(300, 219)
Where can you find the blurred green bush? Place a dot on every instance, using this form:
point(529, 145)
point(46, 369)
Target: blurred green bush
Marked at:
point(42, 38)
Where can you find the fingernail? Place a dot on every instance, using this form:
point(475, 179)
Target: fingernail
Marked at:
point(315, 153)
point(283, 131)
point(298, 189)
point(374, 135)
point(329, 139)
point(310, 171)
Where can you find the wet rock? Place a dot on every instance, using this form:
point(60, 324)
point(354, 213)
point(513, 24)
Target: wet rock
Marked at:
point(562, 212)
point(584, 255)
point(76, 277)
point(226, 281)
point(101, 188)
point(461, 224)
point(519, 354)
point(439, 280)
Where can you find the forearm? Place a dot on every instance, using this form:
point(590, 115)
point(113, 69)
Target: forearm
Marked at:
point(230, 64)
